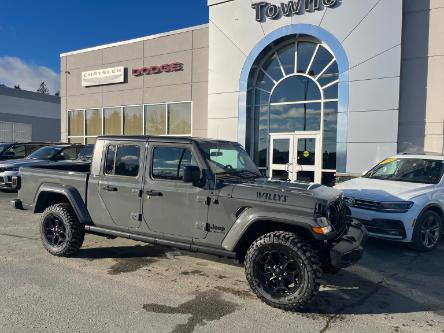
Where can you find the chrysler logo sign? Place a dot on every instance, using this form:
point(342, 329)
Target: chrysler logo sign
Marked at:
point(103, 76)
point(290, 8)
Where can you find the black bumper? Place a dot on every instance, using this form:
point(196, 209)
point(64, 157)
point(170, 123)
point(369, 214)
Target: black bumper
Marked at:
point(350, 247)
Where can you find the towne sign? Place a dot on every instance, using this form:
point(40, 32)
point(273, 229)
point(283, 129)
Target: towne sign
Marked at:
point(266, 10)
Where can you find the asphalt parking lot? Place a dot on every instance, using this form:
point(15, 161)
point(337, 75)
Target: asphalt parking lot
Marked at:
point(125, 286)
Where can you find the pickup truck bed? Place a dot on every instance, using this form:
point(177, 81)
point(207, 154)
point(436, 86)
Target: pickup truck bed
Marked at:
point(69, 175)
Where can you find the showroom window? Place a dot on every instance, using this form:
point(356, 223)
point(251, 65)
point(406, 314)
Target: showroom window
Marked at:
point(293, 88)
point(159, 119)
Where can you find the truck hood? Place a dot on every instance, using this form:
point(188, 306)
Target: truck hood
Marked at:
point(382, 190)
point(22, 163)
point(284, 192)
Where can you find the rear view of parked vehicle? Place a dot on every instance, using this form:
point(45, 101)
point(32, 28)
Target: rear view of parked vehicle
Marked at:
point(401, 199)
point(9, 170)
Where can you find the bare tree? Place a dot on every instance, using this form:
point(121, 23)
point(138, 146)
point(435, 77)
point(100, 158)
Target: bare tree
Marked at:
point(43, 89)
point(17, 86)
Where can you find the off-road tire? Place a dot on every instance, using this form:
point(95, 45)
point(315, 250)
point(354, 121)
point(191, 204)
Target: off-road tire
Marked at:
point(74, 230)
point(301, 251)
point(417, 241)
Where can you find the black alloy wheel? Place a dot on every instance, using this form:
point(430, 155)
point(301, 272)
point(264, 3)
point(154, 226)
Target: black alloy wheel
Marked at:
point(283, 270)
point(278, 271)
point(54, 231)
point(60, 230)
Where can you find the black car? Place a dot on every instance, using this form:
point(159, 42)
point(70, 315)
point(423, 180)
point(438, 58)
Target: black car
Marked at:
point(9, 170)
point(15, 150)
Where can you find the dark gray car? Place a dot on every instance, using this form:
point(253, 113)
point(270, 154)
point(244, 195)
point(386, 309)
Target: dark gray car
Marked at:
point(9, 170)
point(199, 195)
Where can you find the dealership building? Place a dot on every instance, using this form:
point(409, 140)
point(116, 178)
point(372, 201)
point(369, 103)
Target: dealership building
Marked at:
point(28, 116)
point(313, 89)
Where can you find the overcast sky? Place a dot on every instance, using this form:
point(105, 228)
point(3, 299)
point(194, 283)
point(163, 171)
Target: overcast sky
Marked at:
point(34, 33)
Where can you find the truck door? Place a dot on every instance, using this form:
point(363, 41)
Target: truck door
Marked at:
point(120, 183)
point(170, 206)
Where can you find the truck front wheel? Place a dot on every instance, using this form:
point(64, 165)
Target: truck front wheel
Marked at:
point(283, 270)
point(61, 232)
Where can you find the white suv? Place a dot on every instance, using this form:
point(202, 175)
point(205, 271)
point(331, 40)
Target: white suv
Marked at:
point(401, 198)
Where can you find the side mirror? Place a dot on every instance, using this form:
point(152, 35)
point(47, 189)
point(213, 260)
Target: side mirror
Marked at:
point(191, 174)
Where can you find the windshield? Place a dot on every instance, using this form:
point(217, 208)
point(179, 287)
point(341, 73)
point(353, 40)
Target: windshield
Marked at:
point(408, 170)
point(86, 153)
point(3, 146)
point(45, 153)
point(229, 159)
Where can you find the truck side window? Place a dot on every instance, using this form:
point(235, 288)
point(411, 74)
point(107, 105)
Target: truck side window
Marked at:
point(169, 162)
point(122, 160)
point(109, 160)
point(127, 161)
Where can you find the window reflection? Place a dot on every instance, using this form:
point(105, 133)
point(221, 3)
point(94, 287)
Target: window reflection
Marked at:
point(179, 119)
point(112, 121)
point(155, 119)
point(295, 118)
point(296, 89)
point(75, 123)
point(305, 54)
point(93, 119)
point(132, 120)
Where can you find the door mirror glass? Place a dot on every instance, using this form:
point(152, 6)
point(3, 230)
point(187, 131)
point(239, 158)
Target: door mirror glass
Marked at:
point(191, 174)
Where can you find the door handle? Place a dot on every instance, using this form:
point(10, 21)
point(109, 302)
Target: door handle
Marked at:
point(152, 193)
point(110, 188)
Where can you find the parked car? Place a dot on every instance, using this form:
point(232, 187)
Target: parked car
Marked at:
point(14, 150)
point(401, 199)
point(199, 195)
point(9, 170)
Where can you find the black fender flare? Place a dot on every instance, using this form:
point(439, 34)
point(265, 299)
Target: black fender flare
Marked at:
point(252, 217)
point(70, 193)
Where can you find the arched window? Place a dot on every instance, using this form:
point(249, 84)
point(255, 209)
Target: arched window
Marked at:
point(293, 87)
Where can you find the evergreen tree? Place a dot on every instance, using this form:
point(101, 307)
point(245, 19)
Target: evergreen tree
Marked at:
point(43, 89)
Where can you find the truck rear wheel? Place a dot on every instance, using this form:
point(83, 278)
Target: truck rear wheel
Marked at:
point(283, 270)
point(61, 232)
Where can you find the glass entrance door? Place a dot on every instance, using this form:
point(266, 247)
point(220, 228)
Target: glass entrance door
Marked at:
point(295, 156)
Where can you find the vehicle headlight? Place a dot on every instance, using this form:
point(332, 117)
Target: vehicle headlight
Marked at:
point(395, 206)
point(324, 226)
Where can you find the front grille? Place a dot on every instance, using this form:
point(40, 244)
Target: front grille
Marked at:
point(338, 215)
point(363, 204)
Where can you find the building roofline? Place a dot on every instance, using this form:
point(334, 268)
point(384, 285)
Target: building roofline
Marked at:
point(135, 40)
point(26, 94)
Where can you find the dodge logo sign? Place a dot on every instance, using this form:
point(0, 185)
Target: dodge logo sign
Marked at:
point(150, 70)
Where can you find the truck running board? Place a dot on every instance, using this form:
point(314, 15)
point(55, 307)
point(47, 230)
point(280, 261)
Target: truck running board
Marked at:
point(146, 239)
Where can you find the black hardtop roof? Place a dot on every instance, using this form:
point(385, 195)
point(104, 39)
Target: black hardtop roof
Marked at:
point(167, 139)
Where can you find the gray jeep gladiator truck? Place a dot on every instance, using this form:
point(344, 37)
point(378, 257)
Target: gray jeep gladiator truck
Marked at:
point(198, 195)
